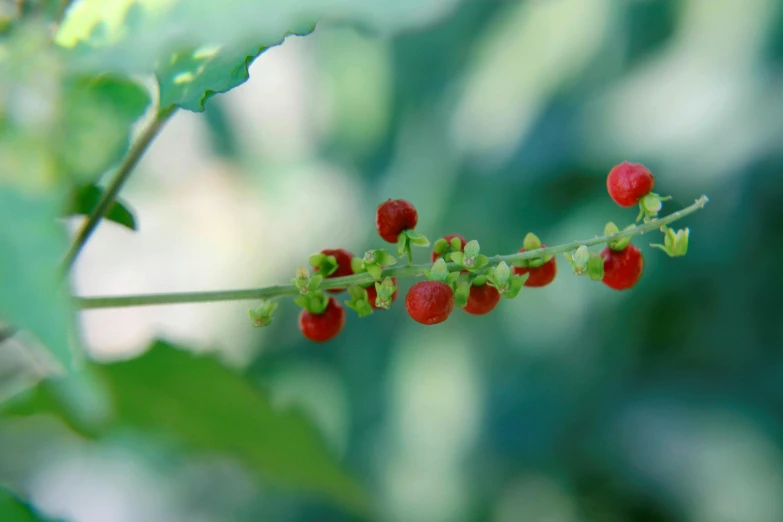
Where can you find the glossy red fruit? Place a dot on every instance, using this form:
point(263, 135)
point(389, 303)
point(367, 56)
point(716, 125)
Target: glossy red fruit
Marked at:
point(325, 326)
point(430, 302)
point(482, 300)
point(627, 183)
point(434, 257)
point(394, 216)
point(539, 276)
point(622, 269)
point(343, 258)
point(372, 294)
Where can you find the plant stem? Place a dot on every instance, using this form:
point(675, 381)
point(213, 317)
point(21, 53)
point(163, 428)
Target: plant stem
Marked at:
point(344, 282)
point(121, 176)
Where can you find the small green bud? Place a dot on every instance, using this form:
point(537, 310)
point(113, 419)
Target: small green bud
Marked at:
point(610, 229)
point(461, 294)
point(357, 265)
point(675, 243)
point(439, 271)
point(384, 259)
point(302, 280)
point(515, 285)
point(481, 261)
point(314, 283)
point(595, 267)
point(440, 246)
point(451, 278)
point(652, 204)
point(499, 277)
point(457, 257)
point(316, 259)
point(618, 245)
point(314, 303)
point(502, 272)
point(384, 292)
point(472, 249)
point(374, 270)
point(531, 242)
point(262, 315)
point(359, 301)
point(580, 259)
point(327, 265)
point(680, 241)
point(456, 243)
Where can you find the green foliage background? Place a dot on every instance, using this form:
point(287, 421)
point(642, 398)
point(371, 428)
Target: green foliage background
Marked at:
point(572, 403)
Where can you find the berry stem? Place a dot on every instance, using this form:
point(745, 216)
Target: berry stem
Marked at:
point(124, 171)
point(362, 278)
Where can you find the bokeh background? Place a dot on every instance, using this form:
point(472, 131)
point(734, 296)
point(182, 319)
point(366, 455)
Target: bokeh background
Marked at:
point(573, 403)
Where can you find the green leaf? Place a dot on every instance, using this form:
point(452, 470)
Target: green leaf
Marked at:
point(316, 259)
point(187, 79)
point(457, 257)
point(385, 259)
point(439, 271)
point(417, 239)
point(223, 135)
point(85, 198)
point(472, 248)
point(95, 131)
point(480, 280)
point(12, 509)
point(209, 409)
point(451, 278)
point(357, 265)
point(31, 248)
point(481, 261)
point(402, 244)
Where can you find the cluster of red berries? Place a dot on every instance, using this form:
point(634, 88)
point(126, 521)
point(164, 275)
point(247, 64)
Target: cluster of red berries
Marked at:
point(432, 301)
point(628, 184)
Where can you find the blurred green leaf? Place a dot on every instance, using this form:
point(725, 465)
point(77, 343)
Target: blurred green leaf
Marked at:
point(95, 132)
point(85, 198)
point(189, 78)
point(208, 408)
point(14, 510)
point(222, 133)
point(32, 296)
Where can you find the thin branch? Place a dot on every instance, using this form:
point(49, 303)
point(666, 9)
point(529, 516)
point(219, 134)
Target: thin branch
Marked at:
point(343, 282)
point(121, 176)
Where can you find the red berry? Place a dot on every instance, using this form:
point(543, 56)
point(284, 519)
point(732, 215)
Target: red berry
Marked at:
point(324, 326)
point(343, 258)
point(627, 183)
point(448, 239)
point(372, 294)
point(430, 302)
point(482, 300)
point(394, 216)
point(622, 269)
point(540, 275)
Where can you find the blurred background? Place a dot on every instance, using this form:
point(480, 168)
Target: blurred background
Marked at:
point(572, 403)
